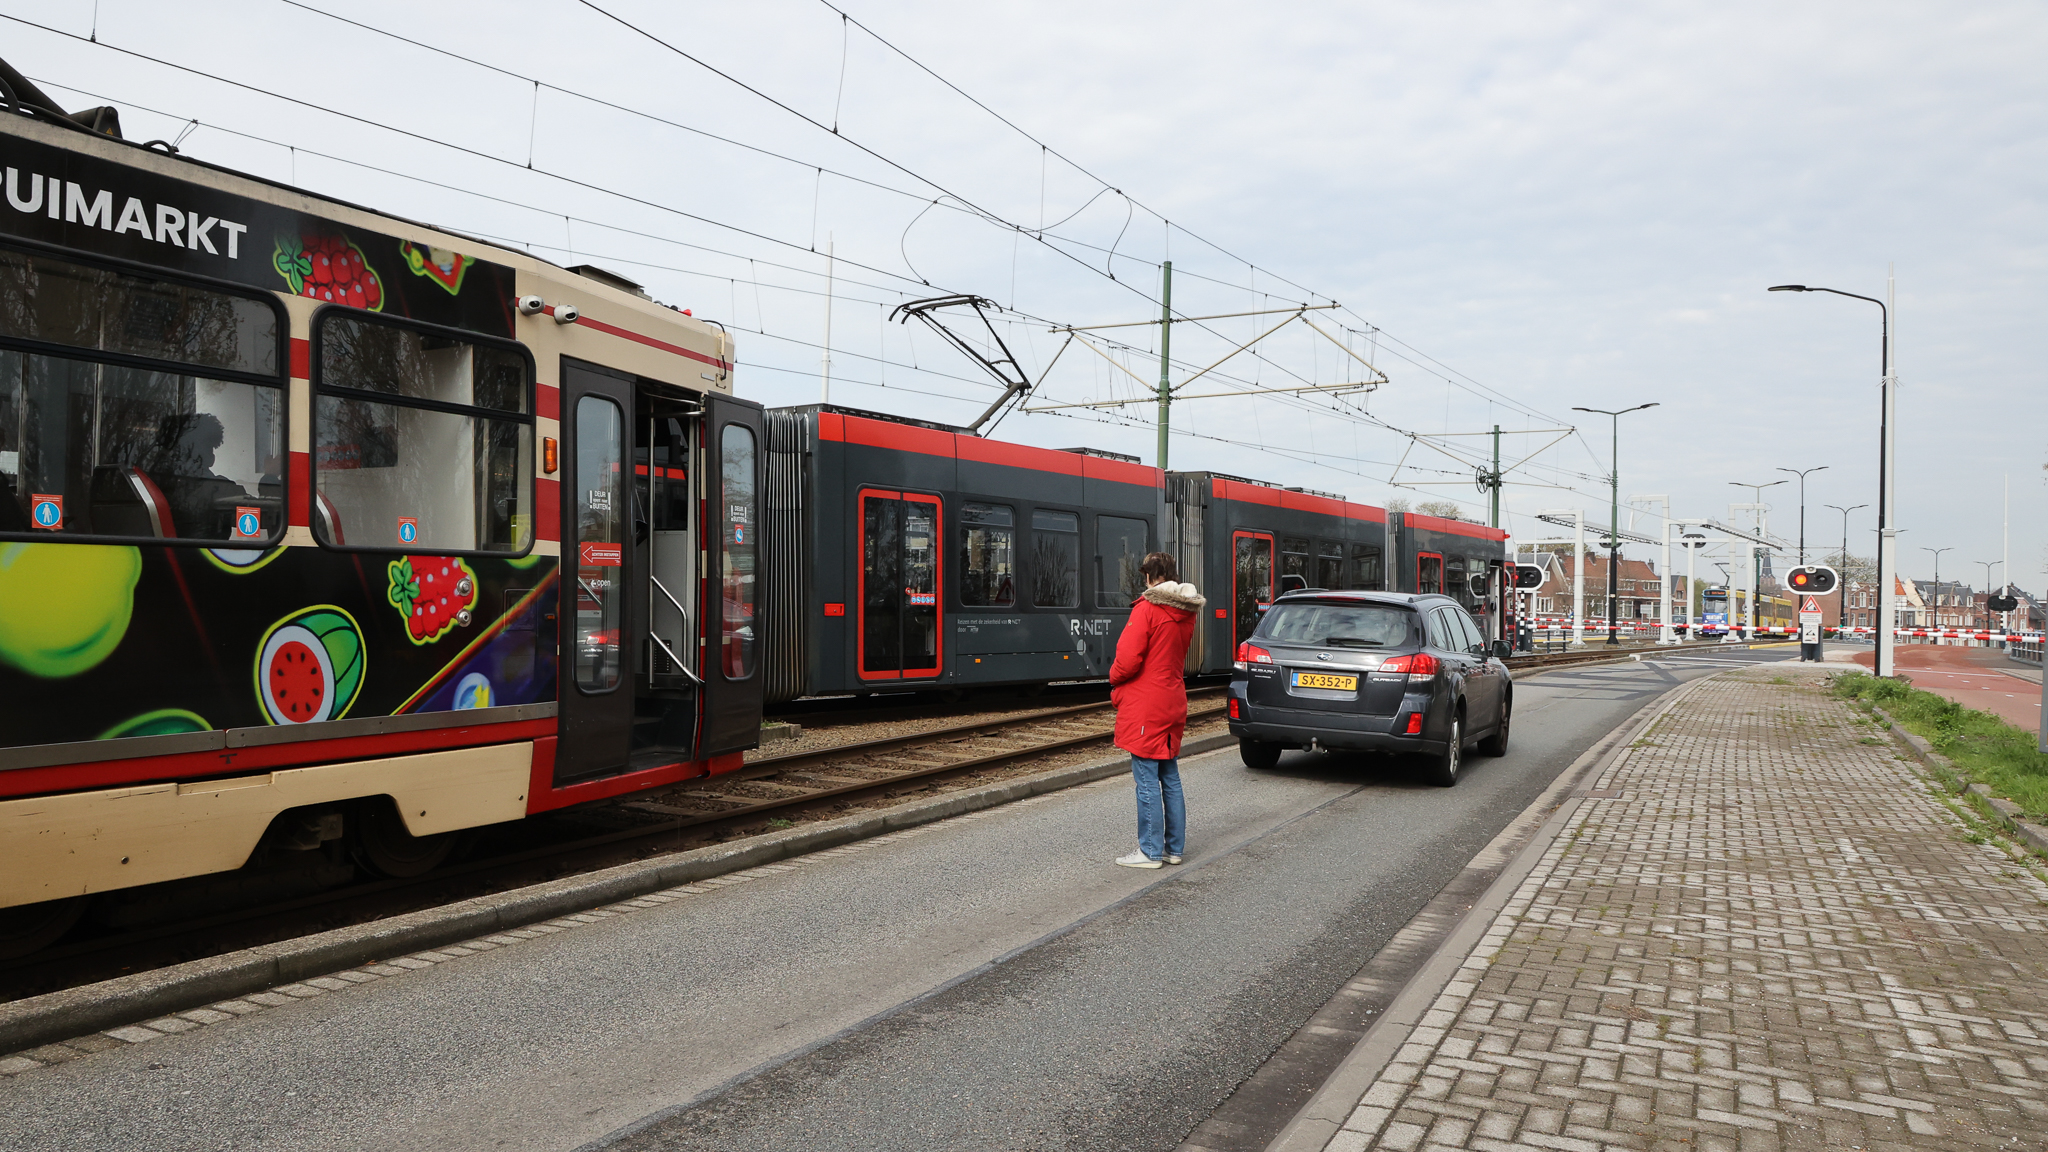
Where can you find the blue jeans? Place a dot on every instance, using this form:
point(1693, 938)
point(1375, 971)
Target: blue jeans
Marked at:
point(1159, 788)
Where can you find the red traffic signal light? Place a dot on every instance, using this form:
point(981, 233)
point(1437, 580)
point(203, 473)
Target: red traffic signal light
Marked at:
point(1816, 579)
point(1528, 576)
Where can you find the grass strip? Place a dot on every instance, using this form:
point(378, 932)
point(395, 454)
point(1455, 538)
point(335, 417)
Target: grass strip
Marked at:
point(1982, 746)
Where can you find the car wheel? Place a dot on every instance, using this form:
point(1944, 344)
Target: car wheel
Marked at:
point(1260, 754)
point(1443, 770)
point(1497, 744)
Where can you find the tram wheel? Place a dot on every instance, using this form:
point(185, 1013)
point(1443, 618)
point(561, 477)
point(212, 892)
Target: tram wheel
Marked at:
point(31, 928)
point(380, 842)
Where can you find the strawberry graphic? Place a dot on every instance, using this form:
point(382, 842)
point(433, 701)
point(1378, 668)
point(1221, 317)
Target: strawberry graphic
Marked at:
point(433, 593)
point(327, 268)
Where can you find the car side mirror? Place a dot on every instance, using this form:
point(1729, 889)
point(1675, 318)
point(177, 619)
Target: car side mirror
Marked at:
point(1502, 649)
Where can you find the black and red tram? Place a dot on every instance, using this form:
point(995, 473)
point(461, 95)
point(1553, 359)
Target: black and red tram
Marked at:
point(911, 555)
point(327, 533)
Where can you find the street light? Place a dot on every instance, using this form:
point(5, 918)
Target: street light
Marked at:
point(1614, 512)
point(1801, 473)
point(1988, 566)
point(1756, 575)
point(1886, 545)
point(1843, 620)
point(1937, 579)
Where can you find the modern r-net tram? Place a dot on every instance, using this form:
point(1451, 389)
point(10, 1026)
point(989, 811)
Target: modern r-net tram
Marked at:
point(325, 531)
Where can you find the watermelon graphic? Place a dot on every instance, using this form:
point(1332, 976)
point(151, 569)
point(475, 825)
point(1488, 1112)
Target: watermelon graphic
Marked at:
point(330, 269)
point(433, 593)
point(310, 666)
point(437, 264)
point(241, 561)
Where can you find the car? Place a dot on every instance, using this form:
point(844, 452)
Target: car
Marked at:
point(1371, 671)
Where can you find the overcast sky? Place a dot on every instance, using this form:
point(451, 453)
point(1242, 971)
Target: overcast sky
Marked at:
point(1521, 209)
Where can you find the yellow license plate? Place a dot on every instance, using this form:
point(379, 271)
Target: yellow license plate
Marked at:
point(1325, 680)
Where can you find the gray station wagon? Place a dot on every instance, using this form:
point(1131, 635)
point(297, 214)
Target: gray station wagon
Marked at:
point(1375, 671)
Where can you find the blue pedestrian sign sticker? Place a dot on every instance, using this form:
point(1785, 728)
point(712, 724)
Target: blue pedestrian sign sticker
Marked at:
point(47, 511)
point(408, 529)
point(248, 524)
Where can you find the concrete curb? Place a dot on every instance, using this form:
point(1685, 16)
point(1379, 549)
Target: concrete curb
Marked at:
point(1323, 1116)
point(2003, 813)
point(123, 1000)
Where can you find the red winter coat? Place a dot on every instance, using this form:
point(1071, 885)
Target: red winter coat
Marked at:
point(1146, 684)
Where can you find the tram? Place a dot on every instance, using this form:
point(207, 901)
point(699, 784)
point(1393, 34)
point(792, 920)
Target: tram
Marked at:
point(905, 554)
point(326, 530)
point(327, 536)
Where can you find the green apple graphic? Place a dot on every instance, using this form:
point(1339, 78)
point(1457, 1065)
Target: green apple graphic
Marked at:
point(64, 607)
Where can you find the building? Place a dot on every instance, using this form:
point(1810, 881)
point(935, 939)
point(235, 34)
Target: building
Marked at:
point(1912, 610)
point(1948, 604)
point(1638, 587)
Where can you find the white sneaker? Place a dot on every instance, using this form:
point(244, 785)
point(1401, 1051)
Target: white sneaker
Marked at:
point(1138, 860)
point(1171, 859)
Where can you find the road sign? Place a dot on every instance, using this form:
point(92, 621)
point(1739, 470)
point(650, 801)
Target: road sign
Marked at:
point(1812, 604)
point(1809, 630)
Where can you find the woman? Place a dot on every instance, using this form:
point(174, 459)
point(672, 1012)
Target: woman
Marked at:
point(1152, 707)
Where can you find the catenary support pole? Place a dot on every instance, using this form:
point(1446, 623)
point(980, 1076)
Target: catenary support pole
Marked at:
point(825, 357)
point(1887, 534)
point(1165, 350)
point(1579, 579)
point(1493, 520)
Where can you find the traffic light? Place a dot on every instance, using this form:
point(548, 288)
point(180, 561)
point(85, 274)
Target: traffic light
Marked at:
point(1813, 578)
point(1528, 576)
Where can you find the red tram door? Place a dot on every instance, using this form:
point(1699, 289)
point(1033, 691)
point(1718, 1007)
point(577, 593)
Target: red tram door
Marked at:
point(597, 619)
point(900, 614)
point(1251, 581)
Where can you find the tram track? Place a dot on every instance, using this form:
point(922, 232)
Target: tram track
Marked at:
point(816, 783)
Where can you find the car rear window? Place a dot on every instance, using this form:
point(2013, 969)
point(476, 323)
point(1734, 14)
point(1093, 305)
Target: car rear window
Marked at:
point(1338, 625)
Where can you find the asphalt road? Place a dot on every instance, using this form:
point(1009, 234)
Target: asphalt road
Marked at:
point(991, 982)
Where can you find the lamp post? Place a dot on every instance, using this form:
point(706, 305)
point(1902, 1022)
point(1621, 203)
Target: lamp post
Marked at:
point(1756, 581)
point(1843, 615)
point(1614, 511)
point(1886, 544)
point(1937, 579)
point(1988, 565)
point(1801, 473)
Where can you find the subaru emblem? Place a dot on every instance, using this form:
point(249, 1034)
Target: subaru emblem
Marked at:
point(1322, 655)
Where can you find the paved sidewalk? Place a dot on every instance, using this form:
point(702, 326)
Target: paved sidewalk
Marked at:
point(1771, 936)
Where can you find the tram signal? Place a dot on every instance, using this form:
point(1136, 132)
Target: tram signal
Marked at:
point(1814, 578)
point(1528, 576)
point(2002, 603)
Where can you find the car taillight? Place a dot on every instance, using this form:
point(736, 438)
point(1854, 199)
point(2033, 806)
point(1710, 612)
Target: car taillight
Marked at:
point(1249, 653)
point(1419, 665)
point(1233, 709)
point(1414, 724)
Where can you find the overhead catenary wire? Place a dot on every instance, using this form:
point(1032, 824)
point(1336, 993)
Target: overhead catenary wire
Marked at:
point(1343, 410)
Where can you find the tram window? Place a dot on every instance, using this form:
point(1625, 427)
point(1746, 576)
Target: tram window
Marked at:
point(1365, 570)
point(155, 447)
point(988, 576)
point(1252, 581)
point(44, 298)
point(1294, 558)
point(1119, 550)
point(600, 508)
point(1455, 582)
point(1055, 559)
point(1329, 565)
point(421, 441)
point(736, 486)
point(1429, 572)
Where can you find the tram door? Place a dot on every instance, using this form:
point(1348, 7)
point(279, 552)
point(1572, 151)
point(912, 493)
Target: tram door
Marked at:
point(597, 617)
point(730, 634)
point(899, 586)
point(1251, 581)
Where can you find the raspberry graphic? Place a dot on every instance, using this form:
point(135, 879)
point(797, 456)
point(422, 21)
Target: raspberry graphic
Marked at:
point(433, 593)
point(331, 269)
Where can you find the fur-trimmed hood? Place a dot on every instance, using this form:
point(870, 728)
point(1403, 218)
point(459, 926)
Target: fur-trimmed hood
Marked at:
point(1170, 594)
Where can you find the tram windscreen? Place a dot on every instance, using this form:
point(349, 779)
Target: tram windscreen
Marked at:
point(182, 438)
point(422, 442)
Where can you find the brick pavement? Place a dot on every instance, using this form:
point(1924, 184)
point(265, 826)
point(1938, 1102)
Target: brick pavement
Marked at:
point(1774, 937)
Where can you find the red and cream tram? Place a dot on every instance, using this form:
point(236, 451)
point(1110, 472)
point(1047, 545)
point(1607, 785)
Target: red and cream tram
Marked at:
point(319, 524)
